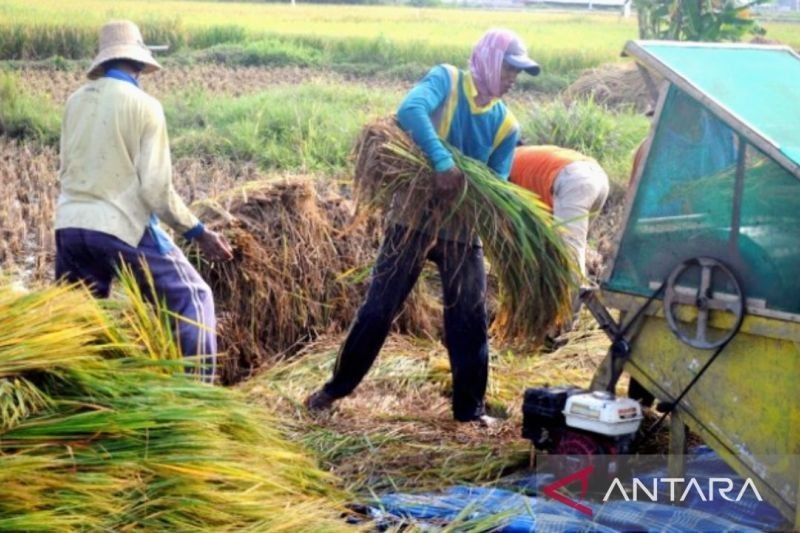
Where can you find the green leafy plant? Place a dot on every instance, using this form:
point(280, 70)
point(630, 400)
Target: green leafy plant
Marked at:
point(26, 116)
point(696, 20)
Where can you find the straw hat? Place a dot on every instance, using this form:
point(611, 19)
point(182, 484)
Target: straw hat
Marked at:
point(121, 39)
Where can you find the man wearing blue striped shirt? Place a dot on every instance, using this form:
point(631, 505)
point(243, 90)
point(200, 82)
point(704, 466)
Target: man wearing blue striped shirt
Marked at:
point(464, 109)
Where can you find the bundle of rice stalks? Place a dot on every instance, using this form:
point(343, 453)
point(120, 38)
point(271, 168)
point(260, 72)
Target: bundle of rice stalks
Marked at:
point(100, 435)
point(526, 253)
point(299, 270)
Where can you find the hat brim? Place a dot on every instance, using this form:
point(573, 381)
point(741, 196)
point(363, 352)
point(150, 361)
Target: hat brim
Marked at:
point(523, 63)
point(132, 52)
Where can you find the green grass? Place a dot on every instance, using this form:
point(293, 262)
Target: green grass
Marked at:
point(26, 116)
point(205, 23)
point(207, 37)
point(310, 127)
point(609, 137)
point(272, 52)
point(386, 41)
point(375, 36)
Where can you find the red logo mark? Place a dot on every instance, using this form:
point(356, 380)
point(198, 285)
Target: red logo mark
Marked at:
point(583, 476)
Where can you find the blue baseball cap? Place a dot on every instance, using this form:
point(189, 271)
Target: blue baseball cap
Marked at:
point(517, 56)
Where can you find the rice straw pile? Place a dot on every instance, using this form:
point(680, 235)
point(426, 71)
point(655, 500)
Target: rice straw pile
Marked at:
point(99, 433)
point(397, 433)
point(299, 270)
point(616, 86)
point(526, 253)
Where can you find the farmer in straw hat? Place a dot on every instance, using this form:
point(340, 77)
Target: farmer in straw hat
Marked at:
point(116, 183)
point(463, 108)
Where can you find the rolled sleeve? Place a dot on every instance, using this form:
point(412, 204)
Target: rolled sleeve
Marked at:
point(195, 232)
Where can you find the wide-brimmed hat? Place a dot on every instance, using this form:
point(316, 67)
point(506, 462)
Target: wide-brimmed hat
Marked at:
point(121, 39)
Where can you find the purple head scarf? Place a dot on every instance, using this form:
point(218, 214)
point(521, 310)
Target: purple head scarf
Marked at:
point(486, 61)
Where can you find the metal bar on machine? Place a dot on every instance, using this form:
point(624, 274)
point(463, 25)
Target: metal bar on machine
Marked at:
point(738, 191)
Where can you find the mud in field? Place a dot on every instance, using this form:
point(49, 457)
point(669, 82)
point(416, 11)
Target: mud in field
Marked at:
point(226, 81)
point(211, 78)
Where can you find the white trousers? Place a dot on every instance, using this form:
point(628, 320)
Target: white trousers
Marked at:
point(579, 190)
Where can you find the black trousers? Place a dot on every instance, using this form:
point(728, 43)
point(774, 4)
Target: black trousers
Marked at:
point(399, 264)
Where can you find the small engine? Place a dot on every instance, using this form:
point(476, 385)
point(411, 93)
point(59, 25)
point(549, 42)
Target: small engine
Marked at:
point(573, 421)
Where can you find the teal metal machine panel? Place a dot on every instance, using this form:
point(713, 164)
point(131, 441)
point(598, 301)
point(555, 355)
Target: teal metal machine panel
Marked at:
point(759, 85)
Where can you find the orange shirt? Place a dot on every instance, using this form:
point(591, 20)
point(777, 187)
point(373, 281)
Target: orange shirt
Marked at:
point(535, 168)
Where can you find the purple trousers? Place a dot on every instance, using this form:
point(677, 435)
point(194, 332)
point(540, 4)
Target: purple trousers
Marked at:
point(94, 258)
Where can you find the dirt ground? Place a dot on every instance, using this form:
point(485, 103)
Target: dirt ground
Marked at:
point(212, 78)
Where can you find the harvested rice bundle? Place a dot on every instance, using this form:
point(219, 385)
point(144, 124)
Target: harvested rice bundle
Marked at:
point(527, 255)
point(96, 435)
point(617, 86)
point(300, 262)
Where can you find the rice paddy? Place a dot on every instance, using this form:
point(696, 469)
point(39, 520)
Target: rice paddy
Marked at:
point(364, 40)
point(365, 29)
point(100, 429)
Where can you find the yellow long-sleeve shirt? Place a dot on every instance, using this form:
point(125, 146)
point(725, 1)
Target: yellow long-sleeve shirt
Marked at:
point(116, 169)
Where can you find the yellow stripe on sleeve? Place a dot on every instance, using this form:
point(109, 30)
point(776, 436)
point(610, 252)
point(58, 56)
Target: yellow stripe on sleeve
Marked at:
point(450, 104)
point(506, 128)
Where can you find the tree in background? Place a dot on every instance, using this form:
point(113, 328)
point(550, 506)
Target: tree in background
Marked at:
point(697, 20)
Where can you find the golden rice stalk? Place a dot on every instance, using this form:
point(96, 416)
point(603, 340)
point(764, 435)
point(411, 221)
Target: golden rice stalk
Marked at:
point(99, 437)
point(299, 266)
point(526, 252)
point(19, 399)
